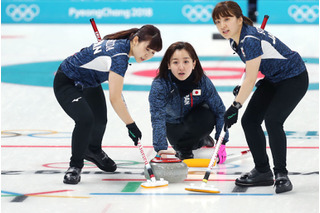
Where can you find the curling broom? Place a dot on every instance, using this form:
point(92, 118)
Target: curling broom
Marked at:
point(153, 183)
point(203, 187)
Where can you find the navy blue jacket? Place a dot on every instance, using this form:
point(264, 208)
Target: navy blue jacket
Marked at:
point(167, 106)
point(278, 62)
point(90, 67)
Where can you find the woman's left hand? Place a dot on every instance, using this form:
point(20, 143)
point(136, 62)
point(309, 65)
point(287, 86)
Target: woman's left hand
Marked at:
point(230, 117)
point(222, 154)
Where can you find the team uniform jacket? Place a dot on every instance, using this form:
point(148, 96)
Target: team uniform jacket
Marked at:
point(90, 67)
point(278, 61)
point(167, 106)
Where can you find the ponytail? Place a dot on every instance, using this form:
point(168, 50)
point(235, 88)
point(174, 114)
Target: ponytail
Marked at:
point(125, 34)
point(145, 33)
point(247, 21)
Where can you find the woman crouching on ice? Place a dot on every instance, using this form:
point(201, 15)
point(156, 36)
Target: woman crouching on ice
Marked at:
point(184, 104)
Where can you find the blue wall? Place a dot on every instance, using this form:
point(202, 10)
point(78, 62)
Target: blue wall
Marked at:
point(289, 11)
point(150, 11)
point(75, 11)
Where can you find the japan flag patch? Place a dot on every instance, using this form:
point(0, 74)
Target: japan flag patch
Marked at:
point(196, 92)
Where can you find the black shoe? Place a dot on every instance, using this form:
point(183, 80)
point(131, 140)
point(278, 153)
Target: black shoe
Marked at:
point(102, 160)
point(184, 154)
point(255, 178)
point(72, 175)
point(282, 184)
point(208, 141)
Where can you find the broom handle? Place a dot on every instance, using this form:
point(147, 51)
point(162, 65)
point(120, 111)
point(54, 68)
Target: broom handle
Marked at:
point(95, 29)
point(264, 22)
point(213, 160)
point(146, 162)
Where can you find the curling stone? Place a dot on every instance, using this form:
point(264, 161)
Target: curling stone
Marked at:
point(171, 169)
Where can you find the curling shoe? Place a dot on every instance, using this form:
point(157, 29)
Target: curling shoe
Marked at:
point(282, 184)
point(255, 178)
point(184, 154)
point(72, 175)
point(101, 159)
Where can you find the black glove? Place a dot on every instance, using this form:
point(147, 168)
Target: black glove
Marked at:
point(236, 90)
point(134, 133)
point(230, 117)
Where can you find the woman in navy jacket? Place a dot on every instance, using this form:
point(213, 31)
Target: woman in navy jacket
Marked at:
point(184, 104)
point(277, 94)
point(77, 87)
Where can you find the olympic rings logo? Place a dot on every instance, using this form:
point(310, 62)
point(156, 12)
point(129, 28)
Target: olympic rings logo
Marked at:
point(304, 13)
point(22, 12)
point(197, 13)
point(48, 134)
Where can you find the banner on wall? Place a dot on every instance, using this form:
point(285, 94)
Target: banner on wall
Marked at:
point(114, 12)
point(289, 11)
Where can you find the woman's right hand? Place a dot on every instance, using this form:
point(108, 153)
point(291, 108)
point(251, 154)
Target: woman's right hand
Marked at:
point(164, 153)
point(134, 132)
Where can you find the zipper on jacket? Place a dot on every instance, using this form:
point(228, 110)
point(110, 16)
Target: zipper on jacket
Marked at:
point(191, 100)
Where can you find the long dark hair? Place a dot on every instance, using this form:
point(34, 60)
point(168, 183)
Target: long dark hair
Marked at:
point(163, 68)
point(228, 9)
point(145, 33)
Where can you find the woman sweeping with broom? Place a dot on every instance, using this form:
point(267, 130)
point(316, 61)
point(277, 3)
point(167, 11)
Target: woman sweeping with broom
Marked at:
point(77, 87)
point(276, 96)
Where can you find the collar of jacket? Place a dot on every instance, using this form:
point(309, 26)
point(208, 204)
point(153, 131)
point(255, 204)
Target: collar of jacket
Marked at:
point(184, 87)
